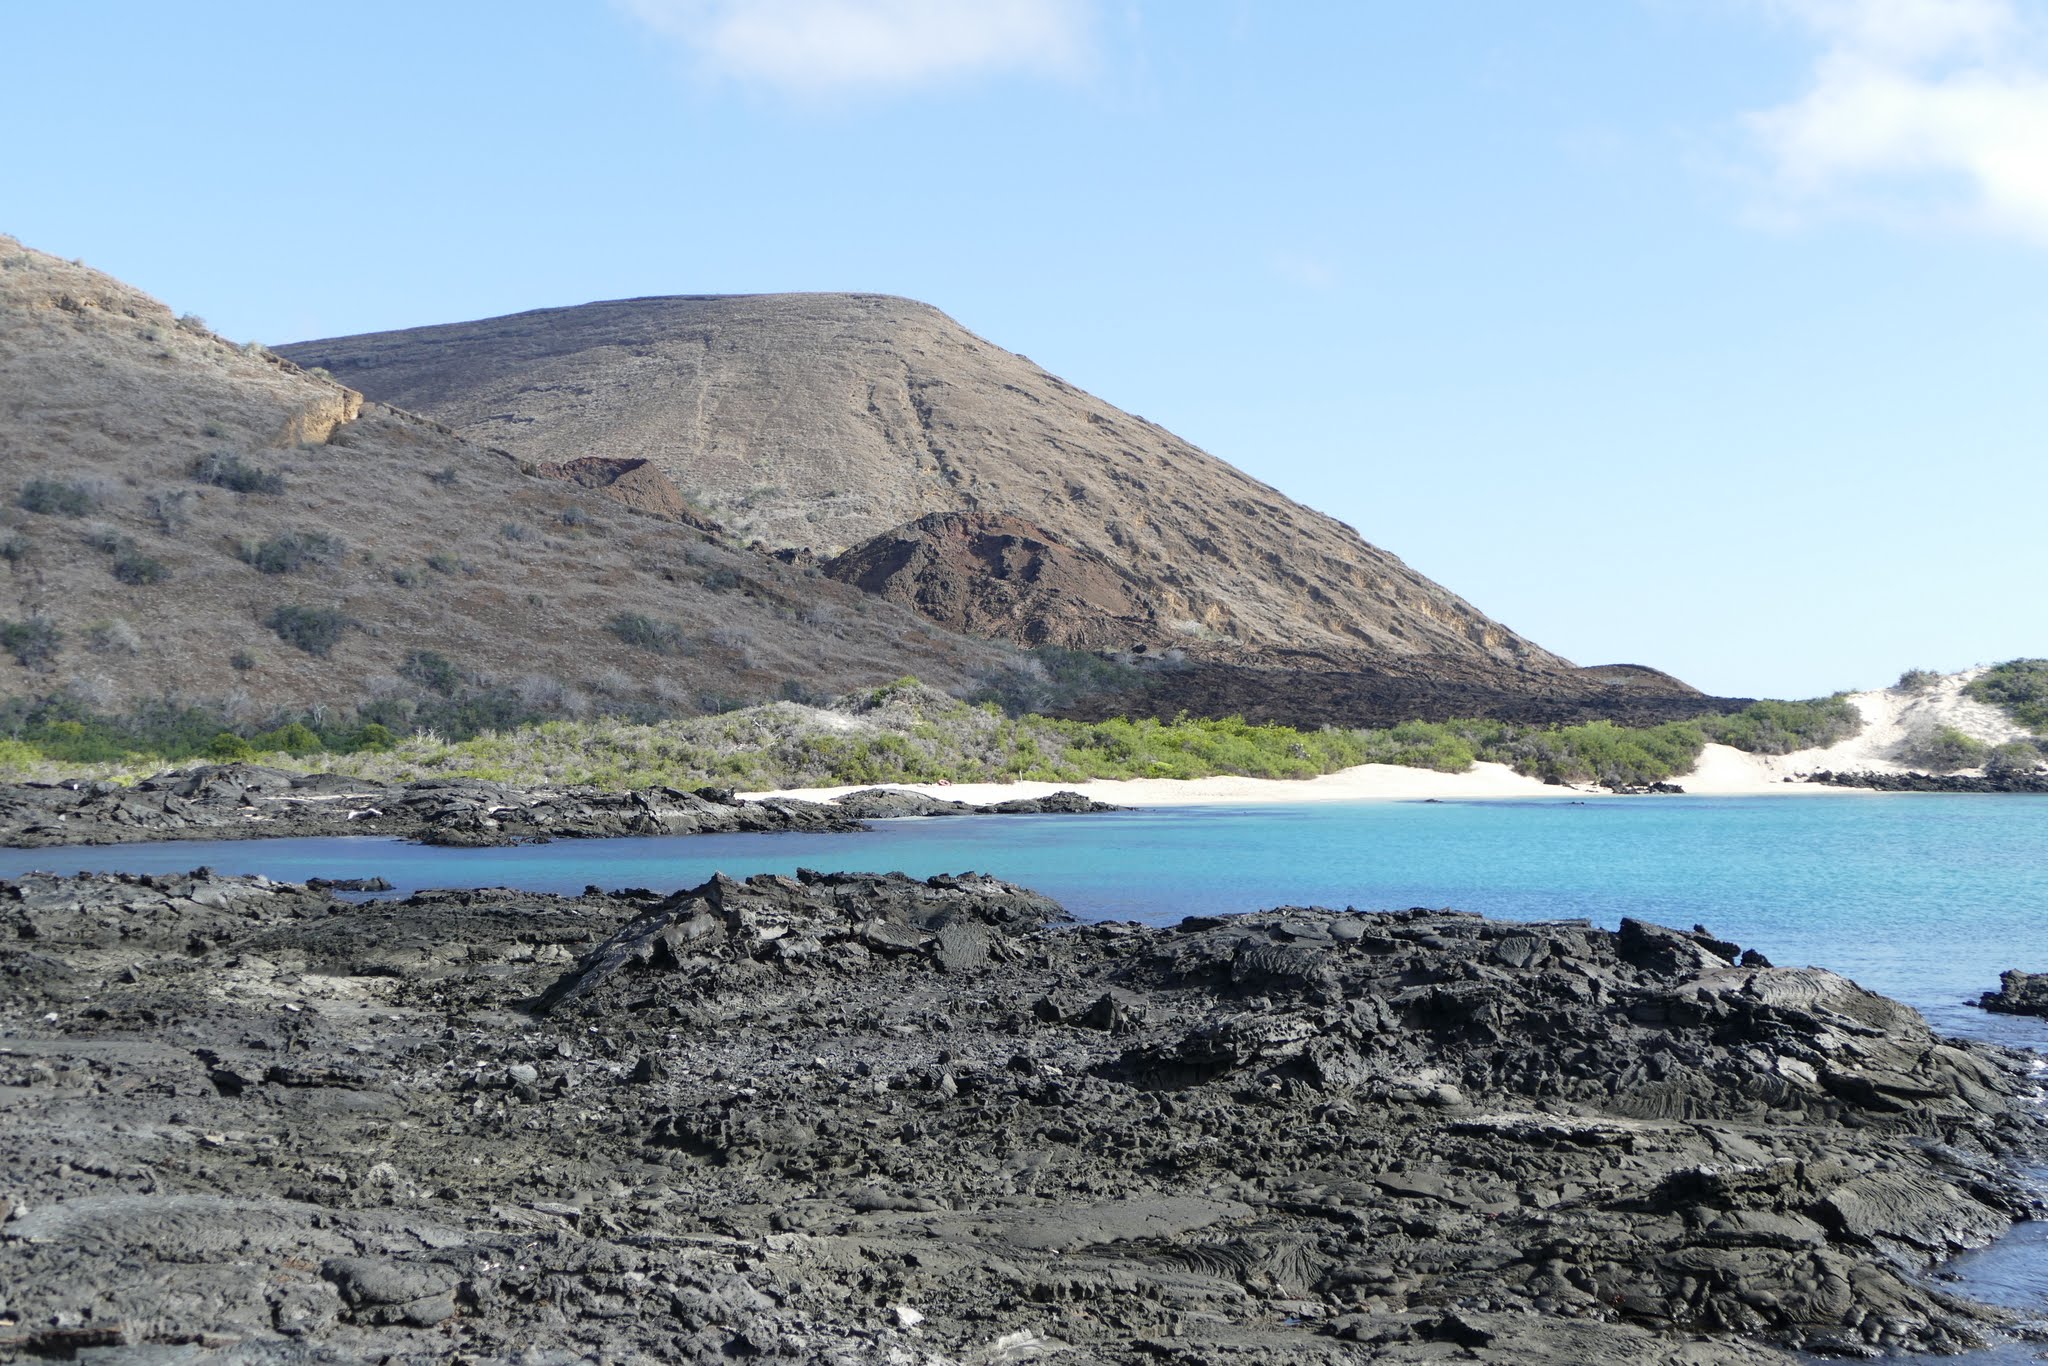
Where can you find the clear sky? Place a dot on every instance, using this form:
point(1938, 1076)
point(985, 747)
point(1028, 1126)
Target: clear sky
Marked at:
point(1706, 334)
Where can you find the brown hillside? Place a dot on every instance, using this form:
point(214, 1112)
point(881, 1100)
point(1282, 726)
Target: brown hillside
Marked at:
point(125, 575)
point(843, 422)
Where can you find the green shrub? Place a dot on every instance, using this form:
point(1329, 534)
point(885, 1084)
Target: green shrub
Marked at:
point(33, 643)
point(295, 737)
point(290, 551)
point(1602, 752)
point(1781, 727)
point(431, 670)
point(1942, 750)
point(229, 748)
point(312, 629)
point(134, 567)
point(2013, 759)
point(241, 661)
point(57, 729)
point(105, 539)
point(112, 637)
point(169, 510)
point(1446, 746)
point(647, 633)
point(14, 548)
point(57, 497)
point(441, 562)
point(1916, 681)
point(372, 736)
point(235, 474)
point(2020, 688)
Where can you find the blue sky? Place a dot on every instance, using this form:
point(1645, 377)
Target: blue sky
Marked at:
point(1706, 334)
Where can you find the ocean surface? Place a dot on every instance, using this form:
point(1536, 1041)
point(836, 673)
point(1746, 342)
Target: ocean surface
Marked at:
point(1922, 897)
point(1926, 898)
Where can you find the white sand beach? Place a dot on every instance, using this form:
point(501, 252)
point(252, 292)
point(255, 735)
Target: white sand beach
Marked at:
point(1888, 717)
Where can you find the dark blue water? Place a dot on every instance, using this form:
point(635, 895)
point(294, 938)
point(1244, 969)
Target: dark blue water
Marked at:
point(1926, 898)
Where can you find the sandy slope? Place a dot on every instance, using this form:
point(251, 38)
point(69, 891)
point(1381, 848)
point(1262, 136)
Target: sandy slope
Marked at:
point(1889, 716)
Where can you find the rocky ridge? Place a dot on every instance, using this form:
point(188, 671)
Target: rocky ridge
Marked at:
point(854, 1118)
point(246, 801)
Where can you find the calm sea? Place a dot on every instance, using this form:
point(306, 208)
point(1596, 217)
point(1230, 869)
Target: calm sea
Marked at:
point(1925, 898)
point(1922, 897)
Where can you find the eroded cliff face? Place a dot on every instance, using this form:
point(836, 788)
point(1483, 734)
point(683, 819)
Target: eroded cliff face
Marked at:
point(315, 421)
point(843, 423)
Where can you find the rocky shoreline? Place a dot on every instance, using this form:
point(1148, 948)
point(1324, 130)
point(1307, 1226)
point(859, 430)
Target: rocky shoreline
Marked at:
point(1932, 782)
point(859, 1118)
point(246, 801)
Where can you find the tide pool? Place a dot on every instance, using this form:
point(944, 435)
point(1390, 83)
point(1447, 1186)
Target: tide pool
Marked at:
point(1922, 897)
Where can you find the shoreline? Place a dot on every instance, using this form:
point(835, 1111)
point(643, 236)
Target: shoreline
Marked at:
point(1721, 772)
point(730, 1115)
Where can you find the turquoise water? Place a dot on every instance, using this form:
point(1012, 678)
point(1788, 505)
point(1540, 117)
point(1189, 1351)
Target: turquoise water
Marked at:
point(1923, 897)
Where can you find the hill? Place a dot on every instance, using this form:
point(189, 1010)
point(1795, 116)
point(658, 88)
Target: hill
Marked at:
point(930, 466)
point(881, 441)
point(185, 519)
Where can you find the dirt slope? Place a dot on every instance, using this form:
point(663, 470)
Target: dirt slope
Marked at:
point(136, 575)
point(843, 423)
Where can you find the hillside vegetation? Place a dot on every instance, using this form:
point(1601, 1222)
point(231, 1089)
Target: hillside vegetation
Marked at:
point(901, 732)
point(2018, 687)
point(181, 516)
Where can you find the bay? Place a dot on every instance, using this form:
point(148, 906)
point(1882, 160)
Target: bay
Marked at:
point(1922, 897)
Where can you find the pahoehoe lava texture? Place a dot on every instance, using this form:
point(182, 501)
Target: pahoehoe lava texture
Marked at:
point(860, 1118)
point(247, 801)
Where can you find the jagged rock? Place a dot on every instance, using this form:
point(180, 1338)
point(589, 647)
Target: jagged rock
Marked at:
point(751, 1116)
point(2019, 993)
point(1934, 782)
point(245, 801)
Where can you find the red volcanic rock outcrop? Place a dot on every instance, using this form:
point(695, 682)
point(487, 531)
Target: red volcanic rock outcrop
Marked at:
point(1004, 578)
point(636, 483)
